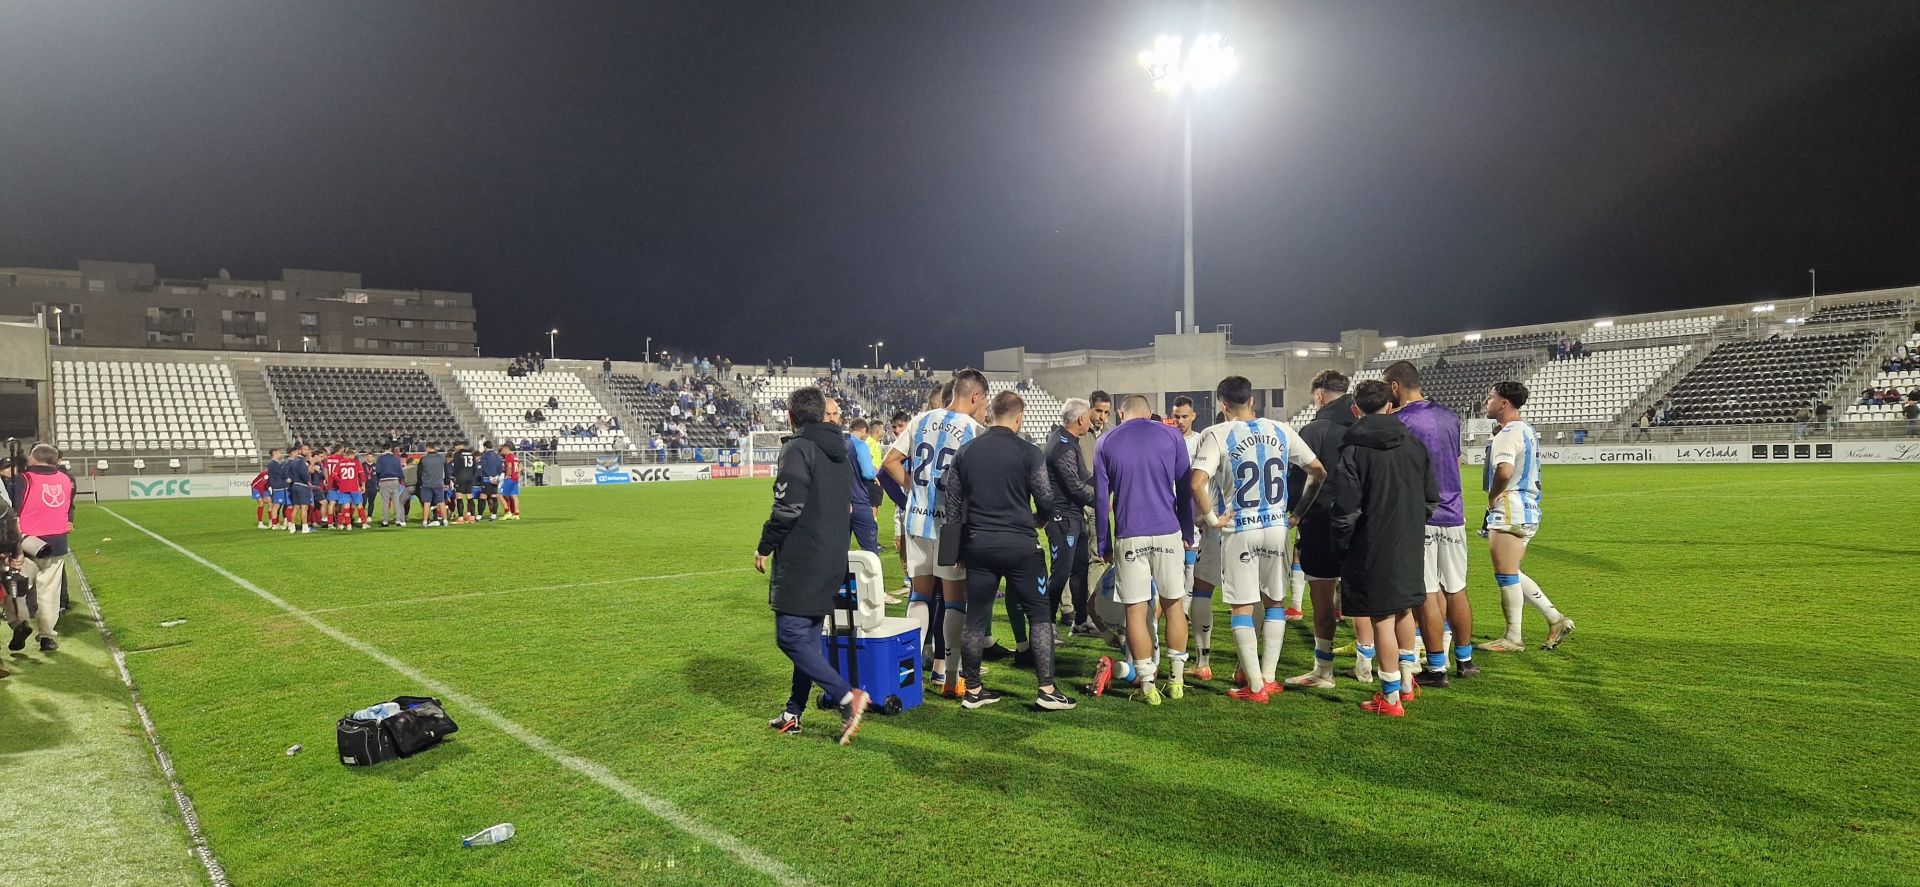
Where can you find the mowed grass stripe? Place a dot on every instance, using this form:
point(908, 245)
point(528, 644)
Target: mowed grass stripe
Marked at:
point(760, 862)
point(1656, 746)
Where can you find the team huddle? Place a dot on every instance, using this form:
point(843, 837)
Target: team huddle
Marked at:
point(1155, 518)
point(343, 488)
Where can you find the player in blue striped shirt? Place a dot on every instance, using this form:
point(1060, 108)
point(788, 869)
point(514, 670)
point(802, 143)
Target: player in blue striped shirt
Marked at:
point(1512, 481)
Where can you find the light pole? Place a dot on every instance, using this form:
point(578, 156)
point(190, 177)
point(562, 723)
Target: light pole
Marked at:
point(1178, 70)
point(649, 351)
point(550, 351)
point(304, 342)
point(58, 337)
point(876, 352)
point(1813, 284)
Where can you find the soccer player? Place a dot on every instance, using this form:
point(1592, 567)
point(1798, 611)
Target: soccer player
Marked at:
point(1143, 524)
point(1386, 491)
point(349, 486)
point(262, 500)
point(1512, 480)
point(489, 471)
point(1438, 429)
point(1240, 484)
point(997, 491)
point(916, 461)
point(1199, 600)
point(898, 495)
point(510, 481)
point(465, 464)
point(433, 488)
point(300, 477)
point(278, 501)
point(1313, 546)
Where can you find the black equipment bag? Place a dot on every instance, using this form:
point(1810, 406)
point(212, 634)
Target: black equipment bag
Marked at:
point(364, 743)
point(421, 724)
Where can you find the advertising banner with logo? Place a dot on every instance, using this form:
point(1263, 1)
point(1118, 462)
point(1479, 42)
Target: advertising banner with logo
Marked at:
point(761, 469)
point(1725, 453)
point(592, 475)
point(189, 486)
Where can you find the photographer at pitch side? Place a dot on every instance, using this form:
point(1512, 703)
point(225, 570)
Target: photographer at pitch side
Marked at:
point(44, 493)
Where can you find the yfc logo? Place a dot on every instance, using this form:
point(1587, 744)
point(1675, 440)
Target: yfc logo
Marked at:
point(649, 475)
point(170, 488)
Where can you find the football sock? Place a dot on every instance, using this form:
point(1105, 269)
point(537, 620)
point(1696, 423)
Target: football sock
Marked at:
point(1409, 663)
point(1511, 603)
point(1298, 585)
point(1538, 599)
point(1323, 657)
point(956, 621)
point(1143, 672)
point(1273, 632)
point(1179, 658)
point(921, 614)
point(1436, 661)
point(1123, 669)
point(1200, 620)
point(1463, 654)
point(259, 514)
point(1390, 685)
point(1244, 641)
point(1363, 662)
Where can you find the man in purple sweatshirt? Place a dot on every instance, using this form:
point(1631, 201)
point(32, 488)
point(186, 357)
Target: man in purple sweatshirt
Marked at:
point(1438, 429)
point(1143, 526)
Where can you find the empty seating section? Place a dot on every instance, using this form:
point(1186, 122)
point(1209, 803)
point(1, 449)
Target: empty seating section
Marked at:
point(771, 392)
point(1906, 380)
point(1762, 381)
point(1461, 386)
point(1598, 387)
point(503, 402)
point(1501, 344)
point(1043, 409)
point(1652, 329)
point(1413, 351)
point(102, 406)
point(359, 405)
point(1884, 309)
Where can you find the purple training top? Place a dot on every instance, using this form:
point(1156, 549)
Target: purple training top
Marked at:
point(1139, 484)
point(1438, 429)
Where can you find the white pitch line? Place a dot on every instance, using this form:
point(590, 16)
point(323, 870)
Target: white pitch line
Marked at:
point(563, 587)
point(779, 871)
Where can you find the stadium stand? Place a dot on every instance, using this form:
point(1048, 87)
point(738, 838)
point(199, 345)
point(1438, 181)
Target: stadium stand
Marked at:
point(650, 409)
point(1598, 387)
point(1663, 328)
point(1461, 386)
point(1413, 351)
point(103, 407)
point(504, 400)
point(1502, 344)
point(1882, 309)
point(358, 405)
point(1043, 409)
point(1906, 379)
point(1764, 381)
point(772, 391)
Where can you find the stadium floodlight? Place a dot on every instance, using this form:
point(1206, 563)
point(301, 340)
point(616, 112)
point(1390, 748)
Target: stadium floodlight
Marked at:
point(1391, 343)
point(1763, 309)
point(304, 344)
point(1470, 337)
point(551, 355)
point(58, 337)
point(1300, 352)
point(1603, 324)
point(1178, 68)
point(876, 352)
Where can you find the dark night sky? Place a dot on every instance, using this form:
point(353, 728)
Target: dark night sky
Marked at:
point(803, 178)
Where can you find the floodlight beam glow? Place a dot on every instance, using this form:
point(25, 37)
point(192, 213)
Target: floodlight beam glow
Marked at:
point(1173, 66)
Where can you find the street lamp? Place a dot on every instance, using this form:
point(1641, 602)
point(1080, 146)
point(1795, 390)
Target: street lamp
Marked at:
point(550, 352)
point(304, 342)
point(1176, 68)
point(649, 351)
point(876, 352)
point(58, 337)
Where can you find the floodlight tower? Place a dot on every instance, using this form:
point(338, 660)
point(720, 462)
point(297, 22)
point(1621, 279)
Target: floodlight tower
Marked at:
point(1180, 70)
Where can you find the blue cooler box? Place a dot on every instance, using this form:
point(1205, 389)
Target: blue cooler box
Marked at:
point(889, 663)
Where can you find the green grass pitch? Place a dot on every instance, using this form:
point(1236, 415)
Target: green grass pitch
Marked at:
point(1729, 711)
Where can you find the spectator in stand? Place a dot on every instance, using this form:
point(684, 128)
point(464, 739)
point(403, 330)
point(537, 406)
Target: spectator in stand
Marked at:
point(1868, 396)
point(1643, 427)
point(1823, 413)
point(606, 367)
point(553, 403)
point(1801, 417)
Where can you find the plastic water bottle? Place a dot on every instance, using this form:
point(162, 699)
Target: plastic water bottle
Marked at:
point(492, 835)
point(377, 712)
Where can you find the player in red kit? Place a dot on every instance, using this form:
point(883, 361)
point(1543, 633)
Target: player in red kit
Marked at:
point(349, 486)
point(260, 500)
point(510, 484)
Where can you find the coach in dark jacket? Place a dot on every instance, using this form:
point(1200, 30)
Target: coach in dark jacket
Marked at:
point(1325, 435)
point(806, 535)
point(1384, 494)
point(1072, 495)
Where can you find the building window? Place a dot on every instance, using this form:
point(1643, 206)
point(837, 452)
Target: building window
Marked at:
point(406, 324)
point(75, 335)
point(98, 286)
point(73, 308)
point(309, 320)
point(279, 295)
point(359, 343)
point(359, 321)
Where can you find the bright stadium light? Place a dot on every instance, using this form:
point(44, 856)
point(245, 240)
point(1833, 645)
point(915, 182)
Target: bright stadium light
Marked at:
point(1763, 309)
point(1391, 343)
point(1470, 337)
point(1603, 324)
point(876, 352)
point(550, 352)
point(1176, 68)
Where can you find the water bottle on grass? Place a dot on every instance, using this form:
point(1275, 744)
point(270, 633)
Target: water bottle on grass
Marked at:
point(492, 835)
